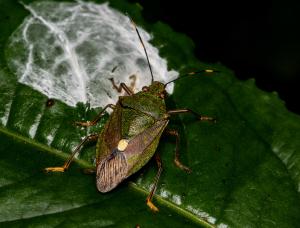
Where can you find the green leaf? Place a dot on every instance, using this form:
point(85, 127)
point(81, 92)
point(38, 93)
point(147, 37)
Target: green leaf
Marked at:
point(246, 167)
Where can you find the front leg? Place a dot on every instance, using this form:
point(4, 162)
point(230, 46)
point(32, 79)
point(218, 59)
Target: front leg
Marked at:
point(121, 86)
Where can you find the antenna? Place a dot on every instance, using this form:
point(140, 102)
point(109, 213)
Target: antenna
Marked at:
point(137, 31)
point(193, 73)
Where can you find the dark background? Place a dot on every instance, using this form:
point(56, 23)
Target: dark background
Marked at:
point(258, 40)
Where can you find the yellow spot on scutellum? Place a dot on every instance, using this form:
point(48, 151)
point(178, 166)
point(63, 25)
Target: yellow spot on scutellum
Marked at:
point(123, 143)
point(209, 71)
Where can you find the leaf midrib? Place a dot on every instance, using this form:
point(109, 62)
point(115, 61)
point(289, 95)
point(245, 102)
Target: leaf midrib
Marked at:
point(181, 211)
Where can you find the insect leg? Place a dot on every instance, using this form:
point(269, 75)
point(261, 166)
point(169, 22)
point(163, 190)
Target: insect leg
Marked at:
point(186, 110)
point(150, 196)
point(133, 82)
point(98, 117)
point(121, 86)
point(89, 171)
point(176, 159)
point(92, 137)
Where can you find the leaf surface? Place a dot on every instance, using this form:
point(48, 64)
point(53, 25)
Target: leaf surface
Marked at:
point(246, 167)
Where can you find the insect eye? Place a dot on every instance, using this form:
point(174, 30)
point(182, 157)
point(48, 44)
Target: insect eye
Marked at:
point(145, 88)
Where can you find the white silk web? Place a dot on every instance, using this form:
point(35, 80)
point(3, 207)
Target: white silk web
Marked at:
point(68, 51)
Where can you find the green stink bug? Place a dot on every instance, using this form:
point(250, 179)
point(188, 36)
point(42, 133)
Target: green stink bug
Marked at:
point(131, 135)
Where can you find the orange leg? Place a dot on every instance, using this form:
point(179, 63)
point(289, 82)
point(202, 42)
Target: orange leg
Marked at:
point(176, 159)
point(200, 117)
point(96, 120)
point(121, 86)
point(150, 196)
point(92, 137)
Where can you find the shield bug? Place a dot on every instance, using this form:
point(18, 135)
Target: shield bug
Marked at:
point(131, 135)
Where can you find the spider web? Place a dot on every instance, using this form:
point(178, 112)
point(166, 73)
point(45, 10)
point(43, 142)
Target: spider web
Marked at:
point(68, 51)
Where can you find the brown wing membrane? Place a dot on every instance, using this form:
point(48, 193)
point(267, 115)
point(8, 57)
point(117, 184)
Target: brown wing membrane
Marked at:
point(141, 148)
point(139, 143)
point(111, 172)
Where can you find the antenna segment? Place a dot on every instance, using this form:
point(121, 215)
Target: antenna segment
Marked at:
point(138, 33)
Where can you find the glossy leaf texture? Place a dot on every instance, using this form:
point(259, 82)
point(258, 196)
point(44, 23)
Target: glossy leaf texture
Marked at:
point(245, 167)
